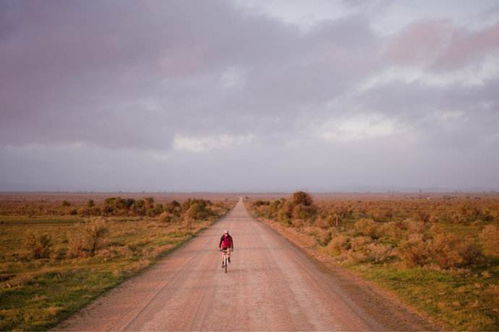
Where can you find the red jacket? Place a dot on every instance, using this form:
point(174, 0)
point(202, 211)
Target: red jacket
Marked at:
point(226, 242)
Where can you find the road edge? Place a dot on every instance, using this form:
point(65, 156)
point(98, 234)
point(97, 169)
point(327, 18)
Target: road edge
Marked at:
point(58, 325)
point(299, 241)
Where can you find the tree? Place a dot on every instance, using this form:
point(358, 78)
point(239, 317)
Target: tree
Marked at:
point(301, 197)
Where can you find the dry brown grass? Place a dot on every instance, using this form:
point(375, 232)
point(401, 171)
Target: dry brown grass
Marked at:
point(64, 262)
point(414, 244)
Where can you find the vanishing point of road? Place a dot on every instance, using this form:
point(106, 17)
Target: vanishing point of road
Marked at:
point(270, 285)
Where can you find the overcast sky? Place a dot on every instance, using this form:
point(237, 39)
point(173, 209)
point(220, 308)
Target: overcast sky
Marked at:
point(249, 95)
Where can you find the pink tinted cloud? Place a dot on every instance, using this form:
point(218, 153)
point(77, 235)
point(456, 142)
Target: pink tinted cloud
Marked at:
point(419, 43)
point(183, 60)
point(441, 45)
point(466, 46)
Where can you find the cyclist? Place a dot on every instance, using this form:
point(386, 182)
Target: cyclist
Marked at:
point(226, 243)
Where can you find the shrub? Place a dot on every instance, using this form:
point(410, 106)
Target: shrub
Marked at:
point(392, 230)
point(296, 223)
point(489, 237)
point(322, 223)
point(283, 217)
point(261, 202)
point(39, 245)
point(414, 251)
point(323, 237)
point(197, 211)
point(166, 217)
point(173, 207)
point(301, 197)
point(336, 220)
point(149, 202)
point(338, 244)
point(303, 212)
point(359, 243)
point(415, 227)
point(471, 254)
point(378, 252)
point(77, 244)
point(187, 221)
point(158, 209)
point(95, 232)
point(445, 250)
point(424, 217)
point(366, 227)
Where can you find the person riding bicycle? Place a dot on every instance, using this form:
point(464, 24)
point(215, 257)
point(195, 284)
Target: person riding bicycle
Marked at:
point(226, 244)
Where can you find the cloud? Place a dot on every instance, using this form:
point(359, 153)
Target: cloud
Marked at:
point(298, 13)
point(311, 91)
point(208, 143)
point(475, 74)
point(441, 45)
point(357, 127)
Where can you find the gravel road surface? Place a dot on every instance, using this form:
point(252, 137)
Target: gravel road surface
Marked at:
point(270, 285)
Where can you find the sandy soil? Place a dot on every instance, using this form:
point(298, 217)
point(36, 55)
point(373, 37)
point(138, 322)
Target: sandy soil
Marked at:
point(271, 285)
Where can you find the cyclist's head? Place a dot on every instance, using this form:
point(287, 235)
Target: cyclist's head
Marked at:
point(226, 232)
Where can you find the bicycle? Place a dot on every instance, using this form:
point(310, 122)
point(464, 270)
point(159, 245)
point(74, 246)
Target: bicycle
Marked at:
point(225, 262)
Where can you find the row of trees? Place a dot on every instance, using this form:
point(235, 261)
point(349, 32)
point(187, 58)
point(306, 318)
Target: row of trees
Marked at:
point(112, 206)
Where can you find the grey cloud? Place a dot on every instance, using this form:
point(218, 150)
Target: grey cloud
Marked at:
point(76, 65)
point(104, 88)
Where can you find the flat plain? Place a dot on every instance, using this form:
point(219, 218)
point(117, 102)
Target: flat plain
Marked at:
point(429, 260)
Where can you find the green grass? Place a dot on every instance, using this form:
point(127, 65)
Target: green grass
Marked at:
point(463, 301)
point(36, 294)
point(50, 296)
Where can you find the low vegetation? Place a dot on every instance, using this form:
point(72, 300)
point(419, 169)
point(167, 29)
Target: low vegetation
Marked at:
point(57, 257)
point(440, 253)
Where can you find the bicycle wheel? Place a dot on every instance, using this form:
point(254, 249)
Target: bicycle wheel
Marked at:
point(225, 263)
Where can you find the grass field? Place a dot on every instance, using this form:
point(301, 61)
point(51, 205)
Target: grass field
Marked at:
point(52, 265)
point(439, 253)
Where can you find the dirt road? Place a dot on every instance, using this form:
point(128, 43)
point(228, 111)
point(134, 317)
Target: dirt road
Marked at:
point(271, 285)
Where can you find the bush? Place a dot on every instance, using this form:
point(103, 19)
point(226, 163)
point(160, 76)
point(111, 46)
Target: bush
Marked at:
point(166, 217)
point(303, 212)
point(359, 243)
point(95, 232)
point(197, 211)
point(392, 231)
point(489, 237)
point(39, 245)
point(76, 244)
point(301, 197)
point(378, 252)
point(445, 250)
point(451, 251)
point(415, 227)
point(338, 244)
point(471, 254)
point(322, 223)
point(414, 251)
point(336, 220)
point(323, 237)
point(424, 216)
point(366, 227)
